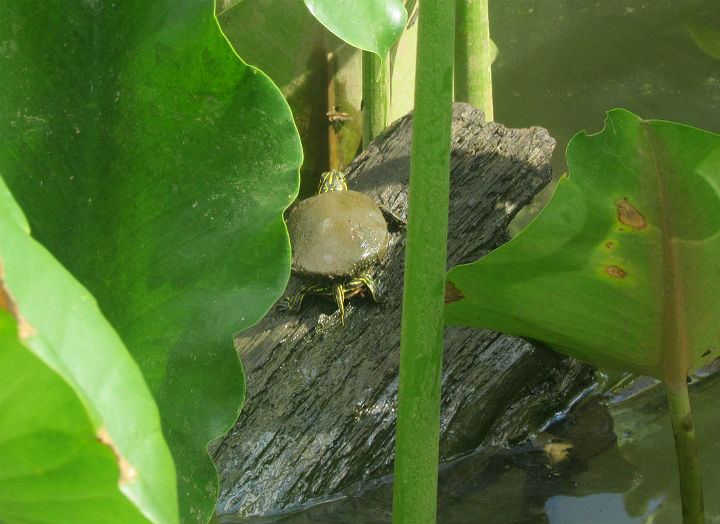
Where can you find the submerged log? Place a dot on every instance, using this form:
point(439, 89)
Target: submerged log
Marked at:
point(319, 418)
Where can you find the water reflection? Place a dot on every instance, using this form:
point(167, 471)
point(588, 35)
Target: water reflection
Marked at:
point(591, 509)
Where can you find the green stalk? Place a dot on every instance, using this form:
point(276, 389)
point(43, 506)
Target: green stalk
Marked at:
point(686, 451)
point(374, 96)
point(473, 55)
point(418, 419)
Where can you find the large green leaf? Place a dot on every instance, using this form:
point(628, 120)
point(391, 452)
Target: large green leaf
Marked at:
point(155, 166)
point(622, 268)
point(80, 436)
point(371, 25)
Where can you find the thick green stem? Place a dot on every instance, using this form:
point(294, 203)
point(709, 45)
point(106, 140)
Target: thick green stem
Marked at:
point(686, 450)
point(473, 55)
point(418, 419)
point(374, 96)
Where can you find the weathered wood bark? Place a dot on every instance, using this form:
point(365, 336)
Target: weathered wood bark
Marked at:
point(320, 411)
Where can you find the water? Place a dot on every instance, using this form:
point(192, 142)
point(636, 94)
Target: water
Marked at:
point(563, 64)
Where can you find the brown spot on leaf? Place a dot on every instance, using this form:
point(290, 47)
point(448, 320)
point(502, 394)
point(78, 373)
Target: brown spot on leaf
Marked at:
point(452, 294)
point(630, 216)
point(4, 300)
point(7, 302)
point(706, 353)
point(615, 271)
point(609, 245)
point(127, 471)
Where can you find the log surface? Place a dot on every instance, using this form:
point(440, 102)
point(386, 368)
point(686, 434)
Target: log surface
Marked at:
point(319, 418)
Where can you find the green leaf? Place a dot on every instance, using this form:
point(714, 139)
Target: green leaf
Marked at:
point(370, 25)
point(155, 166)
point(72, 403)
point(621, 268)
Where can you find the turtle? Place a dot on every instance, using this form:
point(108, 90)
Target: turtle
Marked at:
point(336, 237)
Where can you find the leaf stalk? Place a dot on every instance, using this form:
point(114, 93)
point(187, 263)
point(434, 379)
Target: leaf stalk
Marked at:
point(375, 90)
point(691, 493)
point(473, 55)
point(418, 419)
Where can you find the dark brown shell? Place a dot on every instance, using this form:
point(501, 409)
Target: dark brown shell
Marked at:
point(336, 234)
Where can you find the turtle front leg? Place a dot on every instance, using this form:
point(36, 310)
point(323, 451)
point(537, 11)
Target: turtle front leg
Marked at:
point(339, 294)
point(366, 280)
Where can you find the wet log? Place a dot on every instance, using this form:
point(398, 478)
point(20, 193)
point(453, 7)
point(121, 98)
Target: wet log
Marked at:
point(319, 418)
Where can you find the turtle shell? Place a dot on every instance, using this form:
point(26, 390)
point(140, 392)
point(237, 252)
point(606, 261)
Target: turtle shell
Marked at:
point(336, 234)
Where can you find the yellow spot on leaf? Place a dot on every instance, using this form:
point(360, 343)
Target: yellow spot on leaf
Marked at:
point(630, 216)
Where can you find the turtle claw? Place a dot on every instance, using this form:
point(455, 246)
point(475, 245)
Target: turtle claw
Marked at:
point(392, 218)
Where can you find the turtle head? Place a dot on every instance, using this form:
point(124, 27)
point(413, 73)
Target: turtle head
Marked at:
point(332, 181)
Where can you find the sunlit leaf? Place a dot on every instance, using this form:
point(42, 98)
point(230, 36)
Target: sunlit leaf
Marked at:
point(371, 25)
point(622, 267)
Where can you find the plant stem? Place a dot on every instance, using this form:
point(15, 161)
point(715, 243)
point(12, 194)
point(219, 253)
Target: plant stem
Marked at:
point(333, 139)
point(473, 55)
point(686, 450)
point(418, 419)
point(374, 96)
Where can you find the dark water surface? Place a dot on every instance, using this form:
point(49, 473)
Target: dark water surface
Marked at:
point(564, 63)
